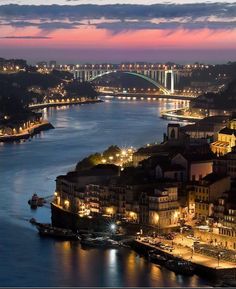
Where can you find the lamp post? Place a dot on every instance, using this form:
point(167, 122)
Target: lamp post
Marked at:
point(218, 258)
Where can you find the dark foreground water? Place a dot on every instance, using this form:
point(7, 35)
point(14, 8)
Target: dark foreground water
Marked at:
point(32, 166)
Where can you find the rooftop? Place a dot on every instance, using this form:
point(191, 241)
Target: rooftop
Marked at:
point(228, 131)
point(212, 178)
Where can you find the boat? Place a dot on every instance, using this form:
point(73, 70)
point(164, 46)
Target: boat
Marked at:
point(34, 222)
point(180, 267)
point(36, 201)
point(100, 242)
point(156, 258)
point(47, 230)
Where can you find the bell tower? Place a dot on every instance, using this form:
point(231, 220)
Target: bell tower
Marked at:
point(173, 131)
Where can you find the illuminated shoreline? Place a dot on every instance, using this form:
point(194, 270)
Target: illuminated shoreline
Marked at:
point(26, 134)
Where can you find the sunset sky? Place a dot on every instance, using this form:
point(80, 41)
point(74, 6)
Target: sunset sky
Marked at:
point(77, 31)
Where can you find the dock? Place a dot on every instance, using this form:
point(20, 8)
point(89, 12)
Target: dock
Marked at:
point(205, 266)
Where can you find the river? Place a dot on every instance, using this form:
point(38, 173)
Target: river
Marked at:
point(26, 259)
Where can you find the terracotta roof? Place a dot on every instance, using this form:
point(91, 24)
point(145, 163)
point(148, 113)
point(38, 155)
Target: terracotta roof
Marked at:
point(220, 144)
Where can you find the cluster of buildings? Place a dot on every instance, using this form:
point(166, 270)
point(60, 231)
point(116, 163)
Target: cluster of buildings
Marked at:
point(12, 65)
point(11, 127)
point(183, 179)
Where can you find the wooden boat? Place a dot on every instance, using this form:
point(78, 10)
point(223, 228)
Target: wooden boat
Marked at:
point(180, 267)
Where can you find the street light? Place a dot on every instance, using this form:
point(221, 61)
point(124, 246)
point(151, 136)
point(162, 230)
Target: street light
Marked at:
point(218, 257)
point(113, 228)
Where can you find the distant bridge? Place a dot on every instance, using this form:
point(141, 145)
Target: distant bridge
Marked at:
point(155, 83)
point(155, 74)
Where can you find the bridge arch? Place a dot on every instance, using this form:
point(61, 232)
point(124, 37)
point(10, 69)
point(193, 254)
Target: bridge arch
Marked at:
point(155, 83)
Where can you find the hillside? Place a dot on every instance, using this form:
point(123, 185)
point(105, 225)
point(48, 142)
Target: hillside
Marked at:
point(224, 99)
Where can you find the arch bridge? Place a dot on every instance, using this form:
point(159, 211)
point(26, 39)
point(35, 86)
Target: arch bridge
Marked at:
point(155, 83)
point(157, 77)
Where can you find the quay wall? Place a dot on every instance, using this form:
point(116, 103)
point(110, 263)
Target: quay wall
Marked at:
point(64, 219)
point(211, 273)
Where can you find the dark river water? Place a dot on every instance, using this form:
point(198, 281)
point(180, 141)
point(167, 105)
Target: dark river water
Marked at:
point(26, 259)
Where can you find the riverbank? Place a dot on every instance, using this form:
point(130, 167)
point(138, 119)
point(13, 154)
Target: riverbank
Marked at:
point(26, 134)
point(147, 96)
point(62, 103)
point(180, 115)
point(204, 265)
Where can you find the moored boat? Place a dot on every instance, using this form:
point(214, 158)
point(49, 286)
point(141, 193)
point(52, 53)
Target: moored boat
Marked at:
point(36, 201)
point(58, 233)
point(154, 257)
point(100, 242)
point(180, 267)
point(34, 222)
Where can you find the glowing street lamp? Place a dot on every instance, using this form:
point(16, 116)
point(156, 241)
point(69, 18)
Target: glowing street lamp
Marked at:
point(218, 258)
point(113, 227)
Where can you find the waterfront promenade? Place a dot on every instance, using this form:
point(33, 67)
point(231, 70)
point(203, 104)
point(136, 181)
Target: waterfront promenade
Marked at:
point(43, 125)
point(173, 114)
point(205, 265)
point(62, 103)
point(27, 133)
point(150, 96)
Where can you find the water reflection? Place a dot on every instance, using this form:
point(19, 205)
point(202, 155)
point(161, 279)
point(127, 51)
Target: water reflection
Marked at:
point(32, 166)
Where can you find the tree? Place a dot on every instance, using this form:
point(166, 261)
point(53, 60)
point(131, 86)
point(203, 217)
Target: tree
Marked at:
point(83, 89)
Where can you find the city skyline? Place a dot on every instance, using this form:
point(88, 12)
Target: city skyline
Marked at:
point(103, 32)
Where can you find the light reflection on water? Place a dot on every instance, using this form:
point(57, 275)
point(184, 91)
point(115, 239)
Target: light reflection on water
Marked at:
point(32, 166)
